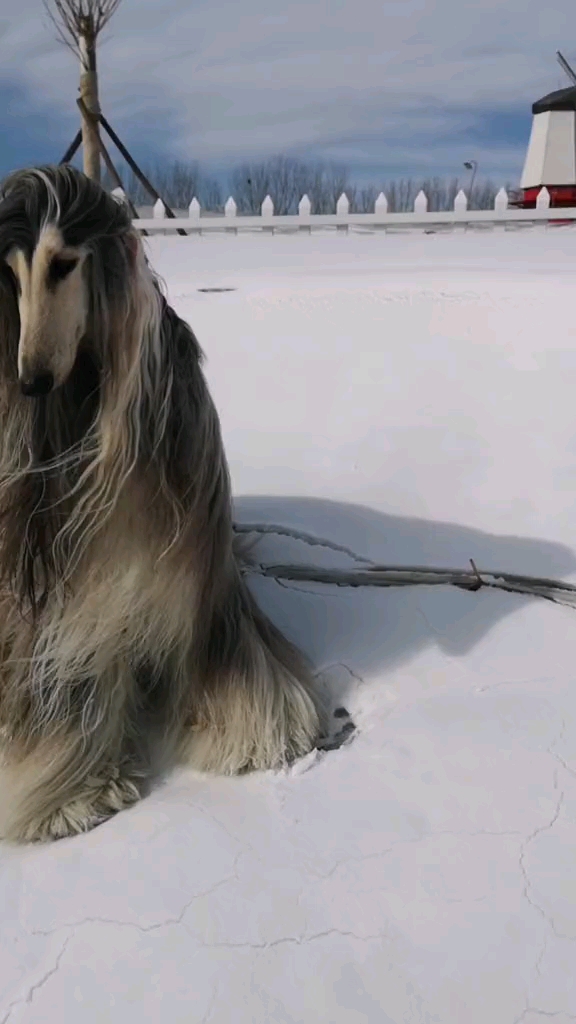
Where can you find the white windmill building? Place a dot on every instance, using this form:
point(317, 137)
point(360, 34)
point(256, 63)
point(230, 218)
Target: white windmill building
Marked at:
point(551, 155)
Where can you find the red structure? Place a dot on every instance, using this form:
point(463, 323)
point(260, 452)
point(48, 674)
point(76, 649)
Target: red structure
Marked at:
point(560, 195)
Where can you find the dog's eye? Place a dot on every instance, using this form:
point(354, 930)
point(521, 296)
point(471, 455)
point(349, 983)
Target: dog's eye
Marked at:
point(60, 268)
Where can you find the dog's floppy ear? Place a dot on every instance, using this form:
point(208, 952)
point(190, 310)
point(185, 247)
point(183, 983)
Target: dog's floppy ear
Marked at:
point(132, 248)
point(9, 318)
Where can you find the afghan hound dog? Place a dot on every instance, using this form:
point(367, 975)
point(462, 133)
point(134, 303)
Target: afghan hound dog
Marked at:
point(129, 641)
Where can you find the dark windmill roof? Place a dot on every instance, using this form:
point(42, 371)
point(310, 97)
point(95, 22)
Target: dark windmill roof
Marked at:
point(562, 99)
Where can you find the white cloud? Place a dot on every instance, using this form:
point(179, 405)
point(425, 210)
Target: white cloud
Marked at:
point(246, 79)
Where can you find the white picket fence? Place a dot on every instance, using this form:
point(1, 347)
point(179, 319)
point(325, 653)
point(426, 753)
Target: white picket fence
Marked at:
point(343, 219)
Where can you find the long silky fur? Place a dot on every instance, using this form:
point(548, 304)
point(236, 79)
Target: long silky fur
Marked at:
point(129, 640)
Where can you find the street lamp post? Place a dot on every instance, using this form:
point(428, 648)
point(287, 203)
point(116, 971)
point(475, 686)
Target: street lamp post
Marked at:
point(471, 165)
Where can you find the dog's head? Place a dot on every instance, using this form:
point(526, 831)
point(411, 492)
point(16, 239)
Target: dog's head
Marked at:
point(65, 248)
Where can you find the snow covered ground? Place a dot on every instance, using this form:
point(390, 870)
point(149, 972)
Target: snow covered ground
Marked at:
point(412, 398)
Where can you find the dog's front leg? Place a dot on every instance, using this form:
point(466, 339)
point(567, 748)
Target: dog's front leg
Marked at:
point(79, 764)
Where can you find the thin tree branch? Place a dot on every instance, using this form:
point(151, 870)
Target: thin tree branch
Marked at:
point(73, 19)
point(61, 31)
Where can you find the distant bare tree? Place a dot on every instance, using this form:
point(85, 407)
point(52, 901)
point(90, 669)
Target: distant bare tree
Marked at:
point(483, 195)
point(78, 25)
point(400, 194)
point(362, 199)
point(333, 183)
point(211, 197)
point(178, 183)
point(250, 184)
point(286, 180)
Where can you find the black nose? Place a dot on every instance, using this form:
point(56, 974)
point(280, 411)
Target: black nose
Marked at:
point(41, 384)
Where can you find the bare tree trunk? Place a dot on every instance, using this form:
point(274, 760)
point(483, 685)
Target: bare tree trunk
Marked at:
point(89, 94)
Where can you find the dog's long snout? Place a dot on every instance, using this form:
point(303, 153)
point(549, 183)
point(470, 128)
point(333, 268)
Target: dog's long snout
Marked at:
point(37, 384)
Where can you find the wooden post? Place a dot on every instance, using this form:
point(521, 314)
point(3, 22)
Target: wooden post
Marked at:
point(134, 166)
point(108, 161)
point(88, 116)
point(89, 97)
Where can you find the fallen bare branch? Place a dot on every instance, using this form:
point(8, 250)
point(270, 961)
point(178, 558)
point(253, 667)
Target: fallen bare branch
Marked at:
point(372, 575)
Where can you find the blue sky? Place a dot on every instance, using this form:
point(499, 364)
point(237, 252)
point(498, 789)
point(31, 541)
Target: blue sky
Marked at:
point(409, 87)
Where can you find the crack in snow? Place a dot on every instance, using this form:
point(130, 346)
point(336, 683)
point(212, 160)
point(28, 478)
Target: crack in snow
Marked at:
point(521, 862)
point(564, 764)
point(515, 682)
point(360, 858)
point(541, 955)
point(145, 928)
point(544, 1013)
point(351, 672)
point(211, 1005)
point(297, 940)
point(435, 632)
point(319, 673)
point(28, 998)
point(558, 756)
point(226, 830)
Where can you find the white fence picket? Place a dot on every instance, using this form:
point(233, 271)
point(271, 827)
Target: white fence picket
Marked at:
point(159, 212)
point(304, 217)
point(501, 201)
point(381, 205)
point(421, 202)
point(230, 211)
point(267, 208)
point(461, 202)
point(343, 206)
point(342, 212)
point(194, 209)
point(304, 207)
point(543, 199)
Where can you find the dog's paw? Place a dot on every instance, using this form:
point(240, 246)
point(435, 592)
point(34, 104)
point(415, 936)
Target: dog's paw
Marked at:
point(340, 730)
point(100, 800)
